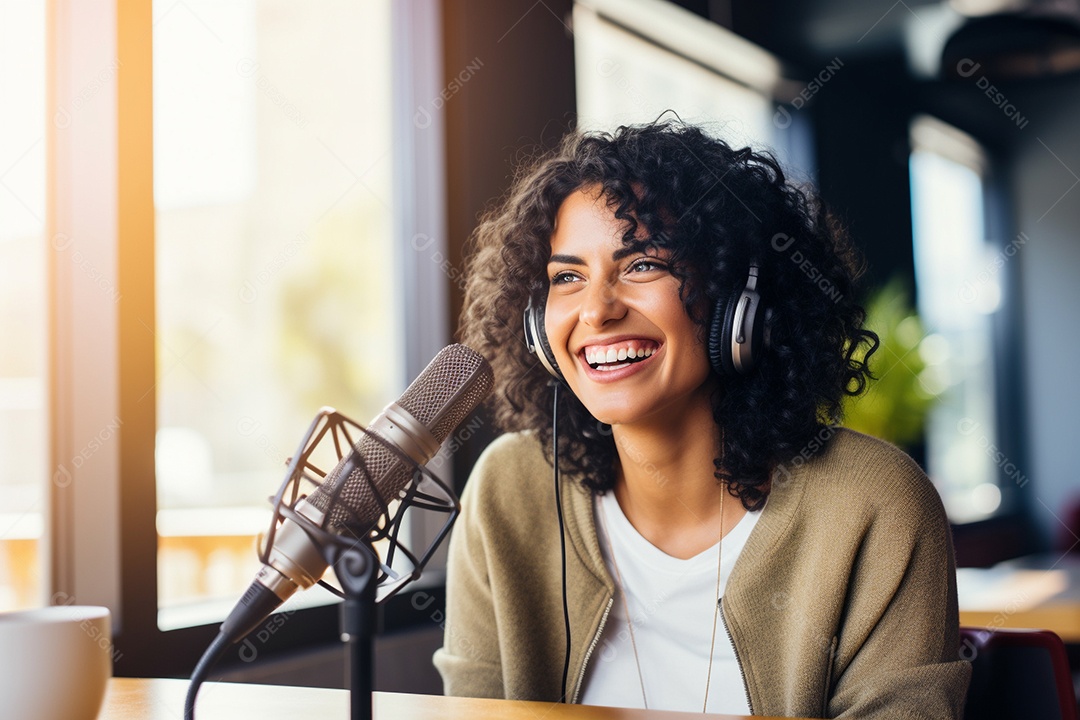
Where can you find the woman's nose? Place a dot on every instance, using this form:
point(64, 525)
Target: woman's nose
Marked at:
point(602, 303)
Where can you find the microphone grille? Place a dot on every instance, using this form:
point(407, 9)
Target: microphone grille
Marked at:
point(453, 384)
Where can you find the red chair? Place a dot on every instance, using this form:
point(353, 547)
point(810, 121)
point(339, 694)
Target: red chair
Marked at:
point(1017, 675)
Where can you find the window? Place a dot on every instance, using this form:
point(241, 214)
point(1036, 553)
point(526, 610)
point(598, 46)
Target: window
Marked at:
point(239, 182)
point(23, 320)
point(273, 189)
point(960, 276)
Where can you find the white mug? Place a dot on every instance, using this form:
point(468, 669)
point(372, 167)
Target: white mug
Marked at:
point(55, 662)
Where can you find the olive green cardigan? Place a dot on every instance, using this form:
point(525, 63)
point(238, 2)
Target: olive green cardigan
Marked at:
point(842, 604)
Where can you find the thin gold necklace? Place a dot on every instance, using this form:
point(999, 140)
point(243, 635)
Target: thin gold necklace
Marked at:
point(626, 606)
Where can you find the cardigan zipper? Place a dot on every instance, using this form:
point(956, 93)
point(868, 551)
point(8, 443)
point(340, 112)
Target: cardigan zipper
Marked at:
point(592, 646)
point(738, 660)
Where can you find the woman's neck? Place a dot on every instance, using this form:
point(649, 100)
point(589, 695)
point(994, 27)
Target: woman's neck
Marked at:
point(666, 486)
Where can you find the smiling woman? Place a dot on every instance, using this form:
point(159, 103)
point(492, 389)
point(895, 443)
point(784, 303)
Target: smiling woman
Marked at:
point(653, 269)
point(715, 214)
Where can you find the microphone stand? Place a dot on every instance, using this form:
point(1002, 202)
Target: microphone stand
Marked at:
point(357, 565)
point(365, 578)
point(356, 568)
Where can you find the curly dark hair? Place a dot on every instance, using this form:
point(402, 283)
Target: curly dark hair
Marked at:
point(716, 210)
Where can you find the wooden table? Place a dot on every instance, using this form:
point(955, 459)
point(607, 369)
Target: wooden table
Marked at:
point(136, 699)
point(1038, 591)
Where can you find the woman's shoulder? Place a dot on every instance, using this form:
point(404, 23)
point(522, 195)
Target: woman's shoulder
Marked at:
point(509, 468)
point(848, 445)
point(520, 451)
point(854, 469)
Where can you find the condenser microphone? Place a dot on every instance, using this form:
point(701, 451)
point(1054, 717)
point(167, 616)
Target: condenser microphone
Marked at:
point(354, 495)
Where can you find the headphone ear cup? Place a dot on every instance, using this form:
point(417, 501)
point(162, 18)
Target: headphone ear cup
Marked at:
point(720, 331)
point(754, 326)
point(737, 331)
point(536, 338)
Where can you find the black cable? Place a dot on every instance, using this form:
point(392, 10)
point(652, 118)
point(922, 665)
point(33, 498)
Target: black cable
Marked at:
point(562, 531)
point(202, 670)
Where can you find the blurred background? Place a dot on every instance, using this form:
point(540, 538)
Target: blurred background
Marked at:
point(218, 216)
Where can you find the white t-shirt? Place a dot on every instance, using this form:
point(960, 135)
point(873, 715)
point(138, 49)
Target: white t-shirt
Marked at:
point(672, 602)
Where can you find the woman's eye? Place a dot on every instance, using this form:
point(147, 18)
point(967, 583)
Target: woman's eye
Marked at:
point(647, 265)
point(561, 278)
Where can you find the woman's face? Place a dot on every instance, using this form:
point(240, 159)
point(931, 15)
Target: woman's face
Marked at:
point(616, 322)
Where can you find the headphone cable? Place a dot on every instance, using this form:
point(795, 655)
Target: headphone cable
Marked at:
point(562, 531)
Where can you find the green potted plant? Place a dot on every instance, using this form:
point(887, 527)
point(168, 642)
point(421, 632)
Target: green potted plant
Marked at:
point(894, 406)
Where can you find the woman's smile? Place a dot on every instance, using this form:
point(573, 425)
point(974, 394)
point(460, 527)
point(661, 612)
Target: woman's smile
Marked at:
point(612, 361)
point(608, 356)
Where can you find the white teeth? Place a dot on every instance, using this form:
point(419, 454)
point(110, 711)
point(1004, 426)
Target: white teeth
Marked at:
point(607, 368)
point(604, 358)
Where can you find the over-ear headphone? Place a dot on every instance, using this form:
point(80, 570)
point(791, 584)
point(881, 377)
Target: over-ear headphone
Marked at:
point(738, 331)
point(536, 336)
